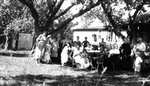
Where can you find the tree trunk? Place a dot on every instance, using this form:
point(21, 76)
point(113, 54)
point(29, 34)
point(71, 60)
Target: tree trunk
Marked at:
point(36, 33)
point(131, 33)
point(6, 43)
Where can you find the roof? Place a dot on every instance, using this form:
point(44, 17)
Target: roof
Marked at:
point(96, 24)
point(92, 29)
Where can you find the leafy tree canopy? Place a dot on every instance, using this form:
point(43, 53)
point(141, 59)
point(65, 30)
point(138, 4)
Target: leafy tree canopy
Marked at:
point(46, 12)
point(9, 12)
point(119, 12)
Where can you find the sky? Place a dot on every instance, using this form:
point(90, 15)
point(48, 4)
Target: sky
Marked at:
point(67, 3)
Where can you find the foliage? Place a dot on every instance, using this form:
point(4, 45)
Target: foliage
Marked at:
point(96, 12)
point(46, 12)
point(116, 13)
point(122, 11)
point(143, 18)
point(22, 25)
point(9, 12)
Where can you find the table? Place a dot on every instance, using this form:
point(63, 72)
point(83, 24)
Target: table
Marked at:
point(94, 57)
point(94, 53)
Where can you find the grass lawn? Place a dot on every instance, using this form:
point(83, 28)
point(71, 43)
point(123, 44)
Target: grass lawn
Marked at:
point(23, 71)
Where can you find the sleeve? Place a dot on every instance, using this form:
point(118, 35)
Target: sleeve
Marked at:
point(140, 60)
point(143, 47)
point(38, 38)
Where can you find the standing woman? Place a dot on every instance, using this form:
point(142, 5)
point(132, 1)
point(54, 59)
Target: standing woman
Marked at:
point(40, 47)
point(65, 54)
point(47, 52)
point(55, 46)
point(125, 52)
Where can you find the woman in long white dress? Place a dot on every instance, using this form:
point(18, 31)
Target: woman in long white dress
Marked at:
point(81, 61)
point(47, 53)
point(65, 54)
point(40, 47)
point(55, 47)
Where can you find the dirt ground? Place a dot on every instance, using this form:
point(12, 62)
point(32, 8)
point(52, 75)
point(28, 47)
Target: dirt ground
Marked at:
point(23, 71)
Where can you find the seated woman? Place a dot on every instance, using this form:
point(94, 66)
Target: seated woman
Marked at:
point(85, 57)
point(81, 58)
point(114, 50)
point(113, 58)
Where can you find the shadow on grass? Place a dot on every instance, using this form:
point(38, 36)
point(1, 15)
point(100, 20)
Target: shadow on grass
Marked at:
point(14, 55)
point(46, 80)
point(109, 79)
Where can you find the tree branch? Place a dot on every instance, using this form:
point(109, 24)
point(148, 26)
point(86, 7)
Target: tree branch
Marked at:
point(138, 8)
point(33, 11)
point(109, 16)
point(64, 12)
point(81, 12)
point(56, 8)
point(51, 4)
point(88, 8)
point(126, 2)
point(51, 17)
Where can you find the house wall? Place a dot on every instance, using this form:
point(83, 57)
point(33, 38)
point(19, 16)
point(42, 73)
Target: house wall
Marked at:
point(100, 34)
point(83, 34)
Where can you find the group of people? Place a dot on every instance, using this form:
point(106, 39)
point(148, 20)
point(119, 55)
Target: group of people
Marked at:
point(76, 52)
point(47, 50)
point(135, 52)
point(79, 57)
point(138, 52)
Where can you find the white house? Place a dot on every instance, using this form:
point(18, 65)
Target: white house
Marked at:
point(96, 27)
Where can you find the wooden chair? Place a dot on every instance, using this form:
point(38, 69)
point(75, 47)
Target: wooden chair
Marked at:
point(100, 62)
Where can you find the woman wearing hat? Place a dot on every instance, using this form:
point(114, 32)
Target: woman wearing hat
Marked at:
point(47, 53)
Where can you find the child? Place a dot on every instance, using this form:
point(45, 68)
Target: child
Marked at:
point(137, 65)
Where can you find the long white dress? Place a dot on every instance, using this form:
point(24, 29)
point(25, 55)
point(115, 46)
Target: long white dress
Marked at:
point(39, 50)
point(40, 46)
point(64, 55)
point(55, 47)
point(137, 64)
point(47, 53)
point(139, 52)
point(84, 63)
